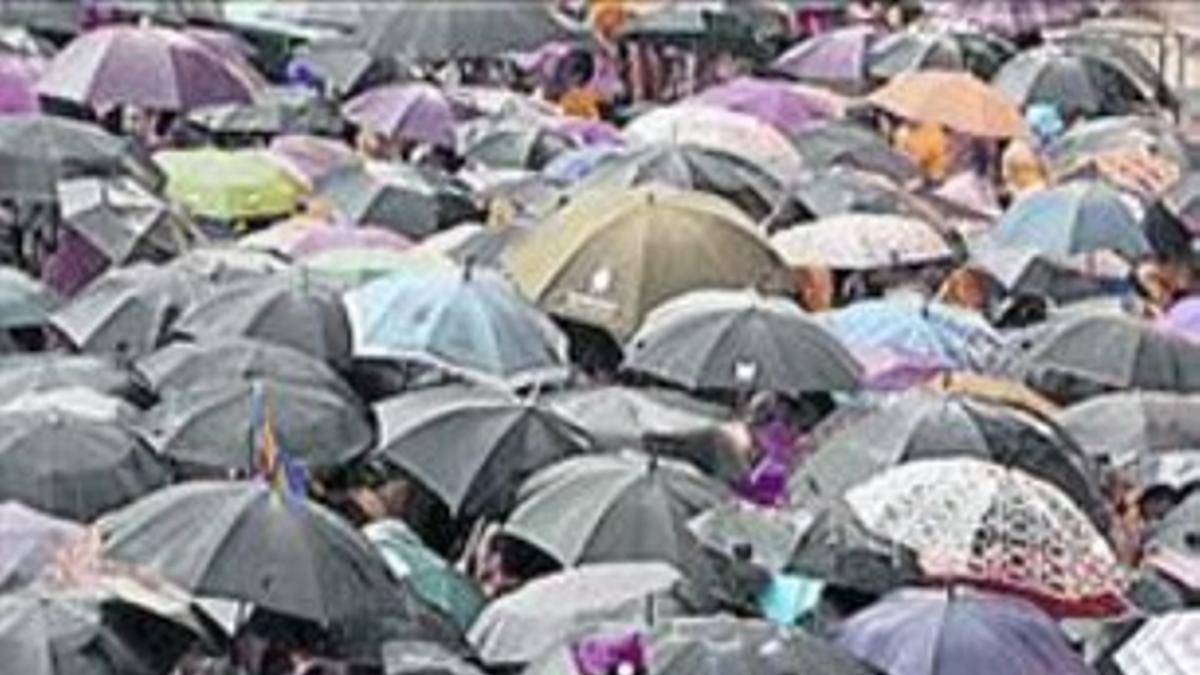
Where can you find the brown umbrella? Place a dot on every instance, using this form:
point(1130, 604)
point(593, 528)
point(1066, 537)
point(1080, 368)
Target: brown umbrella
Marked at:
point(956, 100)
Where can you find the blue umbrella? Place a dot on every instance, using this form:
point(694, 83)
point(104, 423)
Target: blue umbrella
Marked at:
point(463, 320)
point(1076, 217)
point(574, 165)
point(956, 337)
point(959, 632)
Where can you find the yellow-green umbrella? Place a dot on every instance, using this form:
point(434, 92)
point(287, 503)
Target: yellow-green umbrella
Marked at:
point(229, 185)
point(607, 259)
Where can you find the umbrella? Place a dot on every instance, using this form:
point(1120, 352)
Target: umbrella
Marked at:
point(241, 541)
point(310, 158)
point(998, 527)
point(576, 164)
point(955, 100)
point(787, 107)
point(1090, 138)
point(1024, 269)
point(836, 548)
point(922, 425)
point(1076, 217)
point(768, 538)
point(278, 110)
point(690, 167)
point(77, 401)
point(129, 311)
point(740, 341)
point(416, 112)
point(229, 185)
point(38, 151)
point(480, 244)
point(318, 240)
point(286, 309)
point(350, 268)
point(471, 446)
point(1076, 84)
point(839, 143)
point(1183, 317)
point(707, 646)
point(1162, 645)
point(150, 67)
point(951, 632)
point(32, 541)
point(213, 425)
point(74, 467)
point(836, 191)
point(184, 366)
point(1125, 57)
point(23, 42)
point(620, 417)
point(421, 31)
point(1178, 533)
point(24, 302)
point(48, 371)
point(1182, 201)
point(431, 577)
point(521, 626)
point(599, 260)
point(948, 334)
point(1125, 425)
point(614, 508)
point(861, 241)
point(413, 201)
point(466, 320)
point(1014, 18)
point(407, 657)
point(980, 54)
point(719, 129)
point(18, 80)
point(837, 57)
point(512, 143)
point(123, 220)
point(222, 264)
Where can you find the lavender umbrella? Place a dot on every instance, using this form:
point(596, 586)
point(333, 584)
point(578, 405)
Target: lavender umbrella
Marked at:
point(152, 67)
point(322, 239)
point(785, 106)
point(956, 632)
point(29, 541)
point(414, 112)
point(1012, 17)
point(837, 57)
point(1183, 318)
point(310, 158)
point(18, 80)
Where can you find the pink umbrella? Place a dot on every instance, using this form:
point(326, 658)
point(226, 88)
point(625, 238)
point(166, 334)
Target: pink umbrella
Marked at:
point(836, 57)
point(310, 157)
point(787, 107)
point(18, 81)
point(322, 239)
point(415, 111)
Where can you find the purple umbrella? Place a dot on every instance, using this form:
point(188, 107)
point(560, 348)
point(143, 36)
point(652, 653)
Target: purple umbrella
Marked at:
point(415, 112)
point(837, 57)
point(310, 158)
point(1012, 17)
point(589, 132)
point(1183, 318)
point(787, 107)
point(893, 370)
point(18, 81)
point(959, 632)
point(322, 239)
point(29, 541)
point(74, 263)
point(150, 67)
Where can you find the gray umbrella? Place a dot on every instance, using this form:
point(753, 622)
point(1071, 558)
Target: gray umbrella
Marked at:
point(288, 309)
point(34, 373)
point(626, 417)
point(212, 425)
point(613, 508)
point(511, 143)
point(1075, 82)
point(980, 53)
point(839, 190)
point(241, 541)
point(128, 311)
point(413, 201)
point(123, 220)
point(72, 466)
point(767, 538)
point(471, 446)
point(410, 657)
point(220, 264)
point(1179, 531)
point(923, 425)
point(280, 110)
point(521, 626)
point(740, 341)
point(24, 302)
point(1124, 425)
point(841, 143)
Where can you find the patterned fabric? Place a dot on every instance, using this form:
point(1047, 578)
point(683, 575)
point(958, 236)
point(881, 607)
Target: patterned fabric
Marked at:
point(1167, 645)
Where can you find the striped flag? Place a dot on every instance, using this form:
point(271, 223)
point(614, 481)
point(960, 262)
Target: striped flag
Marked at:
point(273, 464)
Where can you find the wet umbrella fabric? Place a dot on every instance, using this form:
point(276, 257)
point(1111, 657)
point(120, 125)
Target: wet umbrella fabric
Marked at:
point(786, 106)
point(955, 100)
point(24, 302)
point(619, 417)
point(31, 542)
point(37, 373)
point(512, 143)
point(950, 335)
point(279, 110)
point(229, 185)
point(840, 143)
point(415, 112)
point(18, 79)
point(1123, 426)
point(1163, 645)
point(978, 53)
point(859, 241)
point(413, 201)
point(844, 191)
point(837, 57)
point(1074, 83)
point(123, 220)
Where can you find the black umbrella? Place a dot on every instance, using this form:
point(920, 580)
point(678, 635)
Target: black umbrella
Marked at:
point(471, 446)
point(841, 190)
point(73, 466)
point(242, 541)
point(1179, 531)
point(213, 425)
point(1075, 83)
point(839, 549)
point(413, 201)
point(626, 417)
point(123, 220)
point(1124, 56)
point(980, 53)
point(221, 264)
point(924, 425)
point(841, 143)
point(346, 66)
point(280, 110)
point(37, 373)
point(1123, 426)
point(511, 143)
point(287, 309)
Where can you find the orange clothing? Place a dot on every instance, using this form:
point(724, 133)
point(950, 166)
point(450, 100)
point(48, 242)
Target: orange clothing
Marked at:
point(928, 145)
point(1022, 169)
point(581, 102)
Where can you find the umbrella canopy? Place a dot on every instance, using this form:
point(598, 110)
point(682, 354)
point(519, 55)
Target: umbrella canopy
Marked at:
point(1077, 217)
point(31, 542)
point(955, 100)
point(1178, 532)
point(523, 625)
point(417, 112)
point(422, 31)
point(767, 537)
point(149, 67)
point(414, 201)
point(1076, 84)
point(837, 57)
point(1013, 18)
point(837, 191)
point(309, 158)
point(1091, 138)
point(18, 80)
point(350, 268)
point(614, 508)
point(1182, 201)
point(241, 541)
point(465, 320)
point(732, 132)
point(123, 220)
point(1183, 317)
point(980, 54)
point(512, 142)
point(38, 151)
point(620, 417)
point(213, 425)
point(229, 185)
point(860, 241)
point(24, 302)
point(788, 107)
point(1030, 270)
point(76, 401)
point(406, 657)
point(846, 144)
point(950, 632)
point(740, 341)
point(1123, 426)
point(431, 577)
point(74, 467)
point(921, 425)
point(472, 242)
point(607, 259)
point(1123, 56)
point(690, 167)
point(278, 110)
point(977, 521)
point(471, 446)
point(48, 371)
point(1162, 645)
point(947, 334)
point(287, 309)
point(318, 240)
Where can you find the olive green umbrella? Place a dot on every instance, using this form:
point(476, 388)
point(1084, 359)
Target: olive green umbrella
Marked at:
point(229, 185)
point(606, 259)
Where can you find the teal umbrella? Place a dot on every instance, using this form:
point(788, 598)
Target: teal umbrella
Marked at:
point(1076, 217)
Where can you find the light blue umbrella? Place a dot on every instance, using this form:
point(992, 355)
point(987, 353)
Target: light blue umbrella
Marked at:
point(1073, 218)
point(461, 319)
point(956, 337)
